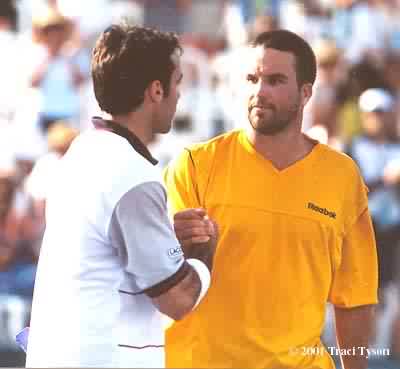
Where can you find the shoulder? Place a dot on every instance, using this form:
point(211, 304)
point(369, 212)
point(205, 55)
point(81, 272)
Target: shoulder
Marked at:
point(340, 163)
point(202, 155)
point(343, 176)
point(109, 163)
point(214, 146)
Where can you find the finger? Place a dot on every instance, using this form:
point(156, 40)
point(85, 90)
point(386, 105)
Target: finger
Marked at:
point(210, 227)
point(215, 226)
point(182, 224)
point(188, 233)
point(187, 243)
point(200, 239)
point(190, 214)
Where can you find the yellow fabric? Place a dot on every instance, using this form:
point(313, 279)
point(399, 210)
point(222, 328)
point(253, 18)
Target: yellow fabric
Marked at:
point(278, 260)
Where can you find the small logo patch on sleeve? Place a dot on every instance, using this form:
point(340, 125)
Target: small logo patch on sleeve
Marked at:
point(175, 252)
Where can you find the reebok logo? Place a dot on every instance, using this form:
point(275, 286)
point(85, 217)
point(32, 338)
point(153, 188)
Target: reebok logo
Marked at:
point(173, 252)
point(323, 211)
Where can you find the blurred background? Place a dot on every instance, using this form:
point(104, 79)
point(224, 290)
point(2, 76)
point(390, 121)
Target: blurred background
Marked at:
point(46, 99)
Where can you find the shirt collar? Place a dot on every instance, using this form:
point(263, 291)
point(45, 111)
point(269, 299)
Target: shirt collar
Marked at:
point(134, 141)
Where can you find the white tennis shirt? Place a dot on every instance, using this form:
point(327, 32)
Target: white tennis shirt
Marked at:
point(108, 238)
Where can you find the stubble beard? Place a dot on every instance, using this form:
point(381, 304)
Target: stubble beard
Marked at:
point(277, 123)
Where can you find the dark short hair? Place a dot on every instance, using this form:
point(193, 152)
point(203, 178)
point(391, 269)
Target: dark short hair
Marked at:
point(283, 40)
point(125, 60)
point(8, 11)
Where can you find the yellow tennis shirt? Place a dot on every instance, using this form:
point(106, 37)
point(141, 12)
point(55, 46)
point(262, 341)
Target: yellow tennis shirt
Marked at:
point(290, 241)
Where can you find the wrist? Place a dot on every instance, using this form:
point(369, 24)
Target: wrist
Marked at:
point(204, 276)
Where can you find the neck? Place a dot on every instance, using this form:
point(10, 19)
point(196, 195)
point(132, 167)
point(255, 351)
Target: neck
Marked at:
point(282, 149)
point(137, 123)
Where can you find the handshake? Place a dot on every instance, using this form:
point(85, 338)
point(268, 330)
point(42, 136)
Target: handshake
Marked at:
point(197, 234)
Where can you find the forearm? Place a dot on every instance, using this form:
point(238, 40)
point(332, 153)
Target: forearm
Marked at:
point(353, 330)
point(182, 298)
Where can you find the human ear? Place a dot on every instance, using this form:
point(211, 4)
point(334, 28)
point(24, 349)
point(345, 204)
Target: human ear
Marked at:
point(156, 92)
point(306, 93)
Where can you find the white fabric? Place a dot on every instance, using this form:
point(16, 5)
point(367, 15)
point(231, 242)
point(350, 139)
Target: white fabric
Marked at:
point(39, 180)
point(79, 316)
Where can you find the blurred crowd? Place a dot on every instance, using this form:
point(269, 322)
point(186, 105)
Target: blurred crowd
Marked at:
point(46, 99)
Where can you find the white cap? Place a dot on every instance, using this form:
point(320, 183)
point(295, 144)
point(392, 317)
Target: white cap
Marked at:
point(376, 99)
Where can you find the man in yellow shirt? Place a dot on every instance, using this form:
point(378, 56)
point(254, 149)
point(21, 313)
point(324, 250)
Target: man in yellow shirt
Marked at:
point(295, 231)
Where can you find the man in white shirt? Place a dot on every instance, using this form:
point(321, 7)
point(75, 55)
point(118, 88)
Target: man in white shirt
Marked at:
point(110, 261)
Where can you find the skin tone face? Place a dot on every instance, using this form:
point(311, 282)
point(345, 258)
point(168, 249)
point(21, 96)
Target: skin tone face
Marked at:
point(377, 124)
point(55, 36)
point(275, 98)
point(168, 104)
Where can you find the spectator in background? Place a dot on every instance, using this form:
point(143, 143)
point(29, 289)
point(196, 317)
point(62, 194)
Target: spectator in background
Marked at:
point(17, 257)
point(261, 23)
point(10, 90)
point(359, 78)
point(54, 71)
point(17, 264)
point(321, 114)
point(377, 152)
point(373, 151)
point(8, 73)
point(38, 182)
point(359, 28)
point(167, 15)
point(392, 76)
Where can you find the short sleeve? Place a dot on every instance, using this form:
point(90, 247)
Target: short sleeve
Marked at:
point(141, 231)
point(355, 282)
point(181, 184)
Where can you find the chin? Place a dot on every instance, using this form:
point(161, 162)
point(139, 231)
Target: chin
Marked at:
point(164, 130)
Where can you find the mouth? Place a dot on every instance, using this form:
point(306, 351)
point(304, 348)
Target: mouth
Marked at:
point(261, 108)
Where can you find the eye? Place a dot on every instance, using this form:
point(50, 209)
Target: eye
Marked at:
point(274, 80)
point(251, 78)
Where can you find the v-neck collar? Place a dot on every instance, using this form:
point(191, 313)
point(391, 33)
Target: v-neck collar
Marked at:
point(248, 146)
point(120, 130)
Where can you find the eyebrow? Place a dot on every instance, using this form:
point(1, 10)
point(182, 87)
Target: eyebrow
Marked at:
point(275, 75)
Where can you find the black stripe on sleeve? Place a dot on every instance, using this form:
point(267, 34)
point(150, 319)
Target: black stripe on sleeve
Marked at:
point(168, 283)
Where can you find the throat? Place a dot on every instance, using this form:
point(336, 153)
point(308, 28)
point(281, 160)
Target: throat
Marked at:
point(284, 156)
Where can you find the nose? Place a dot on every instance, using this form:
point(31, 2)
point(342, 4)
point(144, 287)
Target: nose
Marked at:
point(260, 89)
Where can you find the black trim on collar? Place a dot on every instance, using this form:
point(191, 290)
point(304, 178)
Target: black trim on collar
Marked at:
point(119, 130)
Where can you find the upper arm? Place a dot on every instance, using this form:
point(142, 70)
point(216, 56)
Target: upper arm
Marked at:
point(144, 236)
point(355, 282)
point(145, 239)
point(355, 278)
